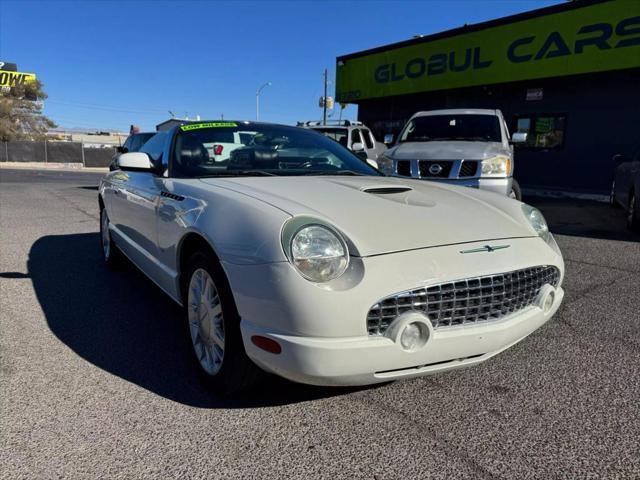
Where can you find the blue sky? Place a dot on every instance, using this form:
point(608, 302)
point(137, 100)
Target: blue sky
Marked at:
point(109, 64)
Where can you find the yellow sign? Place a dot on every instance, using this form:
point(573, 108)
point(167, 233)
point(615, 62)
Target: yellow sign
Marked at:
point(15, 79)
point(196, 126)
point(591, 38)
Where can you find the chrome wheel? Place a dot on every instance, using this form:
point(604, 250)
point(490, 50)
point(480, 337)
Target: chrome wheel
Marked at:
point(206, 321)
point(104, 233)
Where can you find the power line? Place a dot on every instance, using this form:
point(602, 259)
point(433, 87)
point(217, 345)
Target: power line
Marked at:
point(107, 108)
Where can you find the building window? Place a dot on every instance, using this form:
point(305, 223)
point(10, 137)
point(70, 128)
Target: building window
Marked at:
point(543, 131)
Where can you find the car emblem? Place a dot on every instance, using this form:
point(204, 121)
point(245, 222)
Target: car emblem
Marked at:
point(486, 248)
point(435, 169)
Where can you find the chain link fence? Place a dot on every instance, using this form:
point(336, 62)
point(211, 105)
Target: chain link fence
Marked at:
point(56, 152)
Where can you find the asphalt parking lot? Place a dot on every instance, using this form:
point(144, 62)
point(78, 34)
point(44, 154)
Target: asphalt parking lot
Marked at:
point(96, 382)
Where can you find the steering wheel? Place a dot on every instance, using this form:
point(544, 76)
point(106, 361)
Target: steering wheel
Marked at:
point(307, 165)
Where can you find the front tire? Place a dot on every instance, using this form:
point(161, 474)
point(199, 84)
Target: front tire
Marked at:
point(110, 253)
point(633, 213)
point(214, 327)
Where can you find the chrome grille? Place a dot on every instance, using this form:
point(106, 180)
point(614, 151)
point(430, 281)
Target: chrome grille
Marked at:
point(468, 168)
point(404, 168)
point(443, 170)
point(466, 301)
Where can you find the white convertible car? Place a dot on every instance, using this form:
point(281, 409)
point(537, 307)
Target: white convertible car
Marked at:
point(289, 252)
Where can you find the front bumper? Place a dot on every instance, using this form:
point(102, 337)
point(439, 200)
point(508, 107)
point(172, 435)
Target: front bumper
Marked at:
point(323, 330)
point(368, 360)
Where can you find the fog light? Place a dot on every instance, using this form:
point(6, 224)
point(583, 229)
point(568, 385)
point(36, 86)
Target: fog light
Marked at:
point(413, 336)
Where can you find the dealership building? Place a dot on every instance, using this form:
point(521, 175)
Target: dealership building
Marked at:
point(567, 75)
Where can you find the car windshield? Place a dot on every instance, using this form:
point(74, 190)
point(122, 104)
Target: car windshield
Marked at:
point(463, 127)
point(255, 149)
point(340, 135)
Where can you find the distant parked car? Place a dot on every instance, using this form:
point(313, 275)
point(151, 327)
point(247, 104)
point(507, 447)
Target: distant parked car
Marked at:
point(468, 147)
point(350, 134)
point(625, 188)
point(133, 143)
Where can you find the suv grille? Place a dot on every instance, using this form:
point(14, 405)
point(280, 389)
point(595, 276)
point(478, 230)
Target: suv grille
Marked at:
point(424, 166)
point(468, 168)
point(461, 302)
point(403, 168)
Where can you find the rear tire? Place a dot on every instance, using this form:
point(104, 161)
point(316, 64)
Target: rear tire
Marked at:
point(516, 192)
point(633, 213)
point(110, 253)
point(213, 325)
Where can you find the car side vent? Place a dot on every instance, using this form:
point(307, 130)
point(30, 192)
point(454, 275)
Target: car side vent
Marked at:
point(387, 190)
point(172, 196)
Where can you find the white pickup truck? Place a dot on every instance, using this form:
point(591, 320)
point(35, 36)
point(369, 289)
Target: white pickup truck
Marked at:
point(350, 134)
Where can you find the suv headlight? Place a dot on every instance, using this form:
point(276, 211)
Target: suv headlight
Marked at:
point(318, 253)
point(537, 221)
point(498, 166)
point(385, 165)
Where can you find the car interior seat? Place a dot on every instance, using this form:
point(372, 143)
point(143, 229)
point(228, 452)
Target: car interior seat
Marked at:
point(254, 157)
point(193, 156)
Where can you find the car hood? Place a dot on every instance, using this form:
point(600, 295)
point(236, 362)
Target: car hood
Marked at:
point(382, 214)
point(446, 150)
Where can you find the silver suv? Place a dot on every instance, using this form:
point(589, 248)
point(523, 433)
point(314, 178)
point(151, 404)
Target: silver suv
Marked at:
point(467, 147)
point(350, 134)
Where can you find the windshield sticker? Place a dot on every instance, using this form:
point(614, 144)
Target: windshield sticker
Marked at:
point(195, 126)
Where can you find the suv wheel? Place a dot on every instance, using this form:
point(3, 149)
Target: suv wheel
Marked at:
point(214, 327)
point(633, 213)
point(516, 192)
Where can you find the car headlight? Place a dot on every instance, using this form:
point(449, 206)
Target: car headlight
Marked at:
point(537, 221)
point(499, 166)
point(318, 253)
point(385, 165)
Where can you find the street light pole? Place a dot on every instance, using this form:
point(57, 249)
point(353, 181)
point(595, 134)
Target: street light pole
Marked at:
point(258, 99)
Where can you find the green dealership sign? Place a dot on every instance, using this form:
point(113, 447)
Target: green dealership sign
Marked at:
point(593, 38)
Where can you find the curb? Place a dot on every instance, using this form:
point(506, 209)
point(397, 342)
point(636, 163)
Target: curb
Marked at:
point(76, 167)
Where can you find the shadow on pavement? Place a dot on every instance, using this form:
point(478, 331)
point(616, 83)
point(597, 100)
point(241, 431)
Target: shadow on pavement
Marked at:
point(584, 218)
point(121, 322)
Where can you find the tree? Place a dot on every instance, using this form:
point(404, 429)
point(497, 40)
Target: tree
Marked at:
point(21, 116)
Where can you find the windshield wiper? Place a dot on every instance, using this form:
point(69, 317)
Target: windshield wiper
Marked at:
point(335, 172)
point(474, 139)
point(240, 173)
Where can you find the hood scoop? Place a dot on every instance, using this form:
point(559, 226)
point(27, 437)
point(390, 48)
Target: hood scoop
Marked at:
point(387, 189)
point(401, 194)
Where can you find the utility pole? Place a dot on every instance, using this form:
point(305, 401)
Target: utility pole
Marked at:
point(324, 103)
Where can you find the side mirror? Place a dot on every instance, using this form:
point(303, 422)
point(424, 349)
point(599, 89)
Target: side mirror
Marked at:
point(121, 149)
point(519, 137)
point(357, 147)
point(388, 139)
point(373, 163)
point(136, 161)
